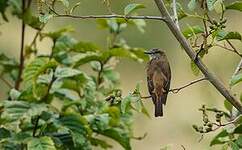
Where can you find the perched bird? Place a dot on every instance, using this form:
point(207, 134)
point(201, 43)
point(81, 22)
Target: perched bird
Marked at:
point(158, 78)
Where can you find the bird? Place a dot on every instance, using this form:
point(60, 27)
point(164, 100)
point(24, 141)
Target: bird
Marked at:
point(158, 78)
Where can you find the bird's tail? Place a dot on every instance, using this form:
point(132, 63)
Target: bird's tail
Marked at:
point(158, 108)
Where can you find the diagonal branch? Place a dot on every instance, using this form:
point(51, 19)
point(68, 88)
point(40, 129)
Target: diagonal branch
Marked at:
point(218, 84)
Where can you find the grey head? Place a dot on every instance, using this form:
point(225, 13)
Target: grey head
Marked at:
point(155, 52)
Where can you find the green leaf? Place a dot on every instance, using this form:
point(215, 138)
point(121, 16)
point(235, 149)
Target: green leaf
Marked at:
point(31, 20)
point(3, 6)
point(228, 105)
point(42, 143)
point(235, 79)
point(65, 72)
point(192, 4)
point(101, 143)
point(195, 69)
point(210, 4)
point(216, 140)
point(239, 141)
point(15, 110)
point(238, 130)
point(4, 133)
point(38, 66)
point(235, 6)
point(192, 31)
point(45, 18)
point(131, 8)
point(219, 6)
point(84, 47)
point(125, 103)
point(14, 94)
point(59, 33)
point(234, 146)
point(119, 135)
point(223, 35)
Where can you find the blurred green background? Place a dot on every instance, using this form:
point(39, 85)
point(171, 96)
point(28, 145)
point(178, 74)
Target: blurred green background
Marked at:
point(181, 111)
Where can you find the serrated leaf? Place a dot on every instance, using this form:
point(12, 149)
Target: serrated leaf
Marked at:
point(235, 6)
point(223, 35)
point(235, 79)
point(45, 18)
point(131, 8)
point(14, 110)
point(65, 72)
point(38, 66)
point(234, 146)
point(84, 47)
point(210, 4)
point(192, 31)
point(216, 140)
point(41, 143)
point(103, 144)
point(119, 136)
point(192, 4)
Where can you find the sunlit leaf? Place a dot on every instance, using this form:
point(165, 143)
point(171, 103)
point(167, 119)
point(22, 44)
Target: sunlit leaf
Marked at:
point(235, 79)
point(192, 31)
point(216, 140)
point(119, 136)
point(235, 6)
point(42, 143)
point(192, 4)
point(132, 7)
point(223, 35)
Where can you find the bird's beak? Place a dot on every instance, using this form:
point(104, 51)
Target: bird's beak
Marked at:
point(148, 52)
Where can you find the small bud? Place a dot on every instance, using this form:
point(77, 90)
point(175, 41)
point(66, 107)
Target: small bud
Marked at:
point(205, 120)
point(209, 124)
point(208, 129)
point(195, 127)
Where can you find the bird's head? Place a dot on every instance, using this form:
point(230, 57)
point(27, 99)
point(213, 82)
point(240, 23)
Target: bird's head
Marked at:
point(155, 52)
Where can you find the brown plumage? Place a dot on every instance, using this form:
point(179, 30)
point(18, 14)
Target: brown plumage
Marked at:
point(158, 79)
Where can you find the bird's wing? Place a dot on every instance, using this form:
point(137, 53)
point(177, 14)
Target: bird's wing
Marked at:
point(150, 83)
point(165, 69)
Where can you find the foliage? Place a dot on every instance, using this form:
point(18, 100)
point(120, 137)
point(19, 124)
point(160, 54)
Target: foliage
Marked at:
point(60, 106)
point(88, 104)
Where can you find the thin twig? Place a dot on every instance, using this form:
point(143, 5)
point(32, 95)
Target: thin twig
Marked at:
point(176, 90)
point(6, 82)
point(233, 47)
point(105, 16)
point(213, 79)
point(111, 16)
point(228, 123)
point(36, 126)
point(21, 57)
point(228, 49)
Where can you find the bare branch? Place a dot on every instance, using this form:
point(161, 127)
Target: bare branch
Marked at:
point(175, 14)
point(21, 57)
point(111, 16)
point(228, 49)
point(176, 90)
point(218, 84)
point(106, 16)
